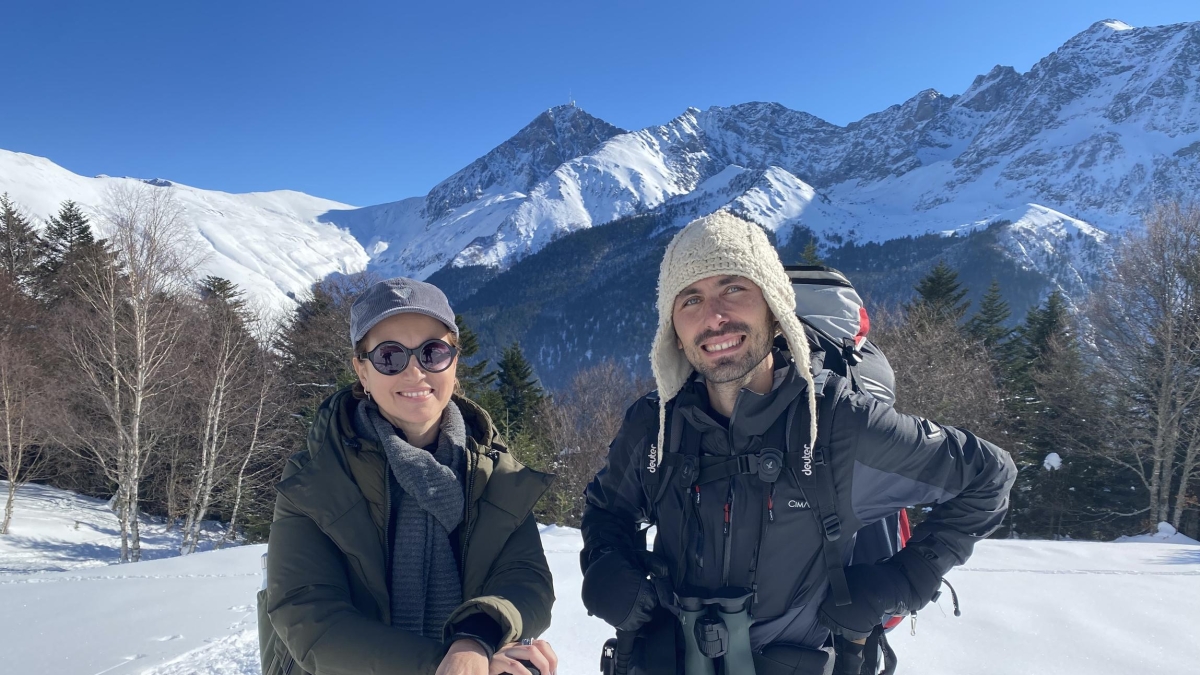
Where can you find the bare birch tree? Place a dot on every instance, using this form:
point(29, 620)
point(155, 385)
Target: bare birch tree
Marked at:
point(21, 402)
point(225, 371)
point(1147, 315)
point(266, 412)
point(124, 343)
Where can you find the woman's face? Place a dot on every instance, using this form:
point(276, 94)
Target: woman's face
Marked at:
point(414, 398)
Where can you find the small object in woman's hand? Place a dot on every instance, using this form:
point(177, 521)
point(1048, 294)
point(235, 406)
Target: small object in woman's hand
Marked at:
point(533, 670)
point(529, 666)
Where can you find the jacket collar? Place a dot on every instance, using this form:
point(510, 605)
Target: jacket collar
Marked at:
point(753, 414)
point(319, 488)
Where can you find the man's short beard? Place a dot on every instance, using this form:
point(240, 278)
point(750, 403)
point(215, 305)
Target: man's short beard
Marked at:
point(732, 368)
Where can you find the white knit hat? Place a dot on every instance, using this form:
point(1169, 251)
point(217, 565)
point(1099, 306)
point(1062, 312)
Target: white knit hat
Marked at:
point(722, 244)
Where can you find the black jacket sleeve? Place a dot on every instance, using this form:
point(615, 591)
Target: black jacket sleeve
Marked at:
point(900, 460)
point(616, 505)
point(615, 502)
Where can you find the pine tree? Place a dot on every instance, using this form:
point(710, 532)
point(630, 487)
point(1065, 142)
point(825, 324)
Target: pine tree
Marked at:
point(312, 346)
point(69, 246)
point(475, 379)
point(68, 231)
point(987, 326)
point(1054, 409)
point(1034, 342)
point(940, 294)
point(810, 255)
point(21, 249)
point(518, 388)
point(218, 289)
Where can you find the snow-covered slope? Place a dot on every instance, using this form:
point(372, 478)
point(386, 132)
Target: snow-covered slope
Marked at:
point(1067, 250)
point(1069, 608)
point(270, 243)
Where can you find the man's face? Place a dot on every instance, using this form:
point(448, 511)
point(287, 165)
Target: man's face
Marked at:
point(724, 327)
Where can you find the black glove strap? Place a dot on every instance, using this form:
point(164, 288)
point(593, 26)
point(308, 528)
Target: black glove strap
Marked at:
point(921, 571)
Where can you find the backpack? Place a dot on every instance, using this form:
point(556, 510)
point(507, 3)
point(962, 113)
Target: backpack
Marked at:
point(837, 323)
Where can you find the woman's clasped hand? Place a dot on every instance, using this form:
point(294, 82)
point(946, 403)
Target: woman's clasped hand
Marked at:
point(467, 657)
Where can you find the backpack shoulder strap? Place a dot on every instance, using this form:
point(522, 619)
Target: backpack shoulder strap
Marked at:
point(681, 461)
point(680, 458)
point(815, 477)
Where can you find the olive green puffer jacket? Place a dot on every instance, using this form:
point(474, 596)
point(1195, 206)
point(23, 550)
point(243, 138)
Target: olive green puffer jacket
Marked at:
point(326, 609)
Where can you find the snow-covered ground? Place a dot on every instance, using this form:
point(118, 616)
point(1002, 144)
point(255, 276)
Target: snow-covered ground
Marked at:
point(1028, 606)
point(57, 531)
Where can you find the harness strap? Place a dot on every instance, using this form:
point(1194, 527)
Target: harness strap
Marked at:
point(688, 453)
point(877, 652)
point(819, 490)
point(767, 465)
point(655, 477)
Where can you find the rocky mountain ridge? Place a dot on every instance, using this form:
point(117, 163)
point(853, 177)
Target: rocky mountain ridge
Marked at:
point(1096, 131)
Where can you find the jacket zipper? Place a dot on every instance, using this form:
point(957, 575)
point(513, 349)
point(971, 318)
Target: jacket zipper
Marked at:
point(728, 527)
point(728, 538)
point(473, 465)
point(387, 491)
point(767, 518)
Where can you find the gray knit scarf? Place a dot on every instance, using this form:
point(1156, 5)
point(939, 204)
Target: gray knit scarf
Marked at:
point(426, 587)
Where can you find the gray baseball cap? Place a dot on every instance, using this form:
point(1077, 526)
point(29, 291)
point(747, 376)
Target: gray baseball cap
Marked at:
point(398, 296)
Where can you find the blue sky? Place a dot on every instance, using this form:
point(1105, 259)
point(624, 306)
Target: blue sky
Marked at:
point(369, 102)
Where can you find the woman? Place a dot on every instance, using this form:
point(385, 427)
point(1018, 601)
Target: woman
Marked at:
point(403, 540)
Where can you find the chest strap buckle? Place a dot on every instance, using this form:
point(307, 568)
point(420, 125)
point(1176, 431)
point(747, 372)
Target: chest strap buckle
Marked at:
point(770, 464)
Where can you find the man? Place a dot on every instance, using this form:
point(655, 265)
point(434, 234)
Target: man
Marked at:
point(757, 477)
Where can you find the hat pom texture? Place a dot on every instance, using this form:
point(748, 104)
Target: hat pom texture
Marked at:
point(722, 244)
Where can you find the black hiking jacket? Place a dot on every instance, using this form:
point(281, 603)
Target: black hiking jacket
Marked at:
point(881, 461)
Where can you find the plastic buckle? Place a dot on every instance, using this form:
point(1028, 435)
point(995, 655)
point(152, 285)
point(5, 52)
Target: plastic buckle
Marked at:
point(819, 456)
point(747, 464)
point(833, 527)
point(850, 351)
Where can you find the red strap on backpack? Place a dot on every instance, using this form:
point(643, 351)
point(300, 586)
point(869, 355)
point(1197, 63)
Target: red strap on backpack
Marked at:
point(905, 535)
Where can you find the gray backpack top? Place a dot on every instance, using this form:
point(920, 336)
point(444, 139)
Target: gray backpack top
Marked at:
point(838, 324)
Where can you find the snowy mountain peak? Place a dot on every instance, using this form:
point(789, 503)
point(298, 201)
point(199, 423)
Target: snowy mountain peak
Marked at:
point(1113, 25)
point(989, 92)
point(530, 156)
point(1100, 31)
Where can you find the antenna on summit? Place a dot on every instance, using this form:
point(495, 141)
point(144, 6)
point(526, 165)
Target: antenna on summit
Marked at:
point(570, 99)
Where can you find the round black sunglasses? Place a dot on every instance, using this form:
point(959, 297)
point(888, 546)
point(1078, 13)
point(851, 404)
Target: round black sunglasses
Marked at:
point(390, 358)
